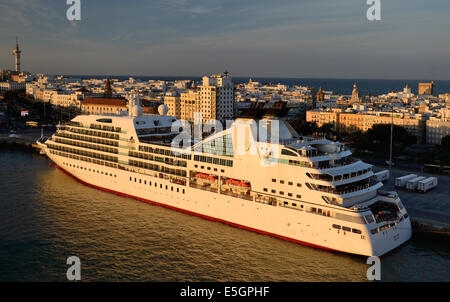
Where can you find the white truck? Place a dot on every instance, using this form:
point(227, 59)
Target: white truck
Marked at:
point(400, 182)
point(411, 184)
point(382, 175)
point(427, 184)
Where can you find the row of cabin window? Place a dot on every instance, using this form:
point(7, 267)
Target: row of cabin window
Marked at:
point(153, 167)
point(282, 193)
point(164, 152)
point(156, 184)
point(289, 182)
point(347, 229)
point(339, 216)
point(90, 170)
point(86, 145)
point(166, 160)
point(105, 128)
point(83, 153)
point(94, 133)
point(86, 159)
point(88, 138)
point(387, 226)
point(214, 160)
point(209, 168)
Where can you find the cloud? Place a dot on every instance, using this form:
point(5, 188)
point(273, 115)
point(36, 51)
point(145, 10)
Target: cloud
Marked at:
point(253, 36)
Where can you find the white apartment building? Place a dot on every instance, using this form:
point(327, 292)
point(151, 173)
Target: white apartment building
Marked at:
point(173, 102)
point(216, 97)
point(437, 129)
point(66, 99)
point(189, 104)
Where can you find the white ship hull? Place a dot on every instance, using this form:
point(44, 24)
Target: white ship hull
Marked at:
point(288, 224)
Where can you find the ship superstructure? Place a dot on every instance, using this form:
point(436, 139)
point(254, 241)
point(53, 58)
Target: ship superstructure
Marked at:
point(301, 189)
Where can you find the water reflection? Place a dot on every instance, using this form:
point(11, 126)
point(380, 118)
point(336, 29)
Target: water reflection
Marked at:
point(47, 216)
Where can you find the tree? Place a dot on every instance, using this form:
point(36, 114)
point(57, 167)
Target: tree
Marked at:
point(379, 138)
point(360, 140)
point(327, 130)
point(303, 127)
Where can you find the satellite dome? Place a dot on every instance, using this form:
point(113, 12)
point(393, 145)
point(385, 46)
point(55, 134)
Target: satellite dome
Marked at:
point(163, 109)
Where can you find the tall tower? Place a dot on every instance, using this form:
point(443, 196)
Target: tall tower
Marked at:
point(16, 53)
point(108, 91)
point(355, 94)
point(320, 97)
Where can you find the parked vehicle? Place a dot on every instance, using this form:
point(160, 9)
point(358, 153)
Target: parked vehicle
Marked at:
point(382, 175)
point(411, 184)
point(400, 182)
point(427, 184)
point(32, 124)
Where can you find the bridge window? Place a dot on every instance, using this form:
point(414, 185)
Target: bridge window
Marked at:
point(288, 152)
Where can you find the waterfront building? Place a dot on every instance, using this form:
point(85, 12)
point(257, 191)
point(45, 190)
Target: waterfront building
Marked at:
point(426, 88)
point(12, 86)
point(173, 103)
point(216, 97)
point(352, 122)
point(66, 99)
point(437, 129)
point(93, 105)
point(323, 117)
point(189, 104)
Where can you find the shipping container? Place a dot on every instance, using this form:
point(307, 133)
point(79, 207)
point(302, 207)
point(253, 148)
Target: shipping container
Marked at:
point(411, 184)
point(400, 182)
point(427, 184)
point(382, 175)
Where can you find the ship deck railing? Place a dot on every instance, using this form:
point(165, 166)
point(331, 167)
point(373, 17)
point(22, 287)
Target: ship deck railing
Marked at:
point(266, 200)
point(202, 187)
point(238, 195)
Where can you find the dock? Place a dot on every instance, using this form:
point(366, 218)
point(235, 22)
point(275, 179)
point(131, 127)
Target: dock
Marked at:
point(430, 211)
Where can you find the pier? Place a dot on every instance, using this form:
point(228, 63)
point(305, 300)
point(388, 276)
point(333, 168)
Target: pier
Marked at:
point(429, 212)
point(25, 139)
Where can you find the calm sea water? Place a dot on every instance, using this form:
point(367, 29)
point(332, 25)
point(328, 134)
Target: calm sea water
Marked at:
point(338, 86)
point(47, 216)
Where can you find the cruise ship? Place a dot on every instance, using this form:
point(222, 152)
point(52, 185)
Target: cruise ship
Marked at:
point(301, 189)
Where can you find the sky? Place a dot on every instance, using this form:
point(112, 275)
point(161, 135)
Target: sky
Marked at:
point(258, 38)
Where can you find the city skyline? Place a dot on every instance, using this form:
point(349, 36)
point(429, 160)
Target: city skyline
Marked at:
point(307, 39)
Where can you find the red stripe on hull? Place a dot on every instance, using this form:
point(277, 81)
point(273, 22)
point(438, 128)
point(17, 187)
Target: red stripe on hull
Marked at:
point(202, 216)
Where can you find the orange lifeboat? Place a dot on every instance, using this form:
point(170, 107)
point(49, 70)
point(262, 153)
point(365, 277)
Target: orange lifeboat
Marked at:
point(237, 182)
point(206, 176)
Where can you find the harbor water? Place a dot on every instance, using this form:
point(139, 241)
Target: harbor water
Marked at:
point(47, 216)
